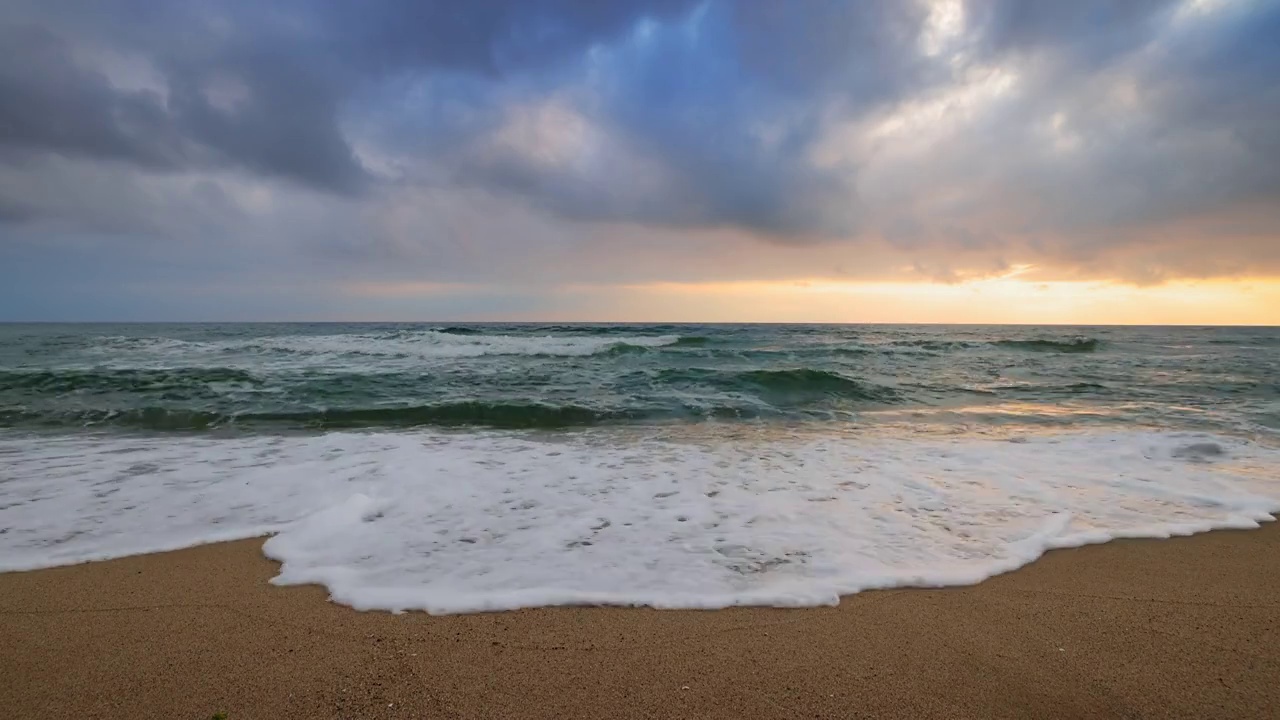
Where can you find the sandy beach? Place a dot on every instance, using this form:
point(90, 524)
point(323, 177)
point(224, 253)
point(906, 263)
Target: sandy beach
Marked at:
point(1188, 627)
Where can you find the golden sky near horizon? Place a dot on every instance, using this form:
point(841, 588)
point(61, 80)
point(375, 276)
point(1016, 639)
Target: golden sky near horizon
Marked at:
point(1251, 301)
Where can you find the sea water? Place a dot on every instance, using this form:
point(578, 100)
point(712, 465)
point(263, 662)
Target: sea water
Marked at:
point(458, 468)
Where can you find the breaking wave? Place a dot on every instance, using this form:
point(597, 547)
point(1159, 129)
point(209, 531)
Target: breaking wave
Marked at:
point(1076, 345)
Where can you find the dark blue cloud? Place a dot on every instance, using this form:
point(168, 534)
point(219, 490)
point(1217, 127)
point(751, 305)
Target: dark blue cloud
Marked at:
point(677, 101)
point(287, 66)
point(722, 103)
point(726, 102)
point(1089, 31)
point(49, 103)
point(318, 131)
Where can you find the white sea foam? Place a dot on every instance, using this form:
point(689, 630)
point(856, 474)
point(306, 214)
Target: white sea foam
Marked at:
point(334, 350)
point(451, 522)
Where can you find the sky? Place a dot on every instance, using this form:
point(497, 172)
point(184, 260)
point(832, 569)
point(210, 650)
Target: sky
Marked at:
point(1030, 161)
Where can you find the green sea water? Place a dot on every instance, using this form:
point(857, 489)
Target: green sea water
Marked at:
point(465, 468)
point(252, 378)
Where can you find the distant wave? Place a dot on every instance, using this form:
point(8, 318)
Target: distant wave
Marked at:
point(487, 414)
point(123, 380)
point(647, 344)
point(626, 348)
point(783, 387)
point(691, 341)
point(935, 347)
point(463, 341)
point(199, 399)
point(1076, 345)
point(806, 380)
point(449, 342)
point(602, 330)
point(1077, 388)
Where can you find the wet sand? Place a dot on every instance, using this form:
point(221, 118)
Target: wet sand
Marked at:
point(1188, 627)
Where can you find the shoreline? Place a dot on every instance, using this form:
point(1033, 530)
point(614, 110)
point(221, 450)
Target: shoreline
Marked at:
point(1187, 626)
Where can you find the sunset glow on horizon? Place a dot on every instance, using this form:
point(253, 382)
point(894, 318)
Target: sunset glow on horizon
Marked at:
point(881, 161)
point(1252, 301)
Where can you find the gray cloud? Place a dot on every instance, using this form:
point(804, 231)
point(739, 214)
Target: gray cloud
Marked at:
point(713, 120)
point(51, 104)
point(1090, 32)
point(562, 140)
point(704, 121)
point(255, 86)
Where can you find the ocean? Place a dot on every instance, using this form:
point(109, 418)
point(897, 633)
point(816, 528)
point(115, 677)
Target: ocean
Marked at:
point(473, 467)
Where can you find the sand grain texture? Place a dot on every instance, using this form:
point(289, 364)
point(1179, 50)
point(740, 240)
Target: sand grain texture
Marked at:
point(1188, 627)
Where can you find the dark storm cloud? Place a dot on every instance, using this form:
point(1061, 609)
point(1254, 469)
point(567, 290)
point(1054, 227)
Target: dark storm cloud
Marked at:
point(1084, 137)
point(254, 85)
point(282, 124)
point(49, 103)
point(718, 108)
point(722, 108)
point(1090, 30)
point(491, 37)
